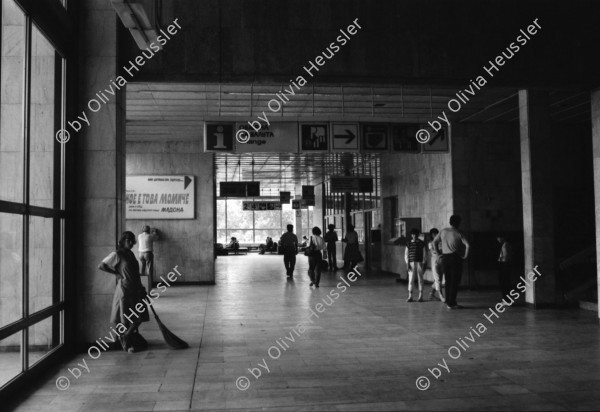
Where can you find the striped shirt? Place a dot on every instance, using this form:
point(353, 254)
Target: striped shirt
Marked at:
point(415, 250)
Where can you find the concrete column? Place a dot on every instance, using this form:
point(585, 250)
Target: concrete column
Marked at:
point(536, 179)
point(101, 172)
point(298, 213)
point(595, 101)
point(318, 210)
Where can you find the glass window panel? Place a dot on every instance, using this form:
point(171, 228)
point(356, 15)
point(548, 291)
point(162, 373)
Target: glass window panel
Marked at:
point(43, 337)
point(222, 236)
point(11, 101)
point(44, 90)
point(267, 219)
point(221, 214)
point(236, 217)
point(11, 268)
point(306, 228)
point(242, 235)
point(261, 235)
point(288, 217)
point(40, 263)
point(10, 358)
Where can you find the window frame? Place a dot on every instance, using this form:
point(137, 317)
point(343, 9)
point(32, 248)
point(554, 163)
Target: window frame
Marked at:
point(46, 17)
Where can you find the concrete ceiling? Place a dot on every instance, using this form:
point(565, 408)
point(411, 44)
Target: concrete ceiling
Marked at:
point(171, 111)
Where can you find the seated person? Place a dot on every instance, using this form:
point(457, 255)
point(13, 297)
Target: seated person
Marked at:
point(270, 244)
point(266, 247)
point(305, 242)
point(233, 244)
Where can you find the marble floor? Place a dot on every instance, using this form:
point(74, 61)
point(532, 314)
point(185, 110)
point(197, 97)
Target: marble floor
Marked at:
point(365, 351)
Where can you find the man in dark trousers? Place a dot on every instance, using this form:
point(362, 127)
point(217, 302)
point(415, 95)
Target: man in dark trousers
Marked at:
point(330, 238)
point(289, 243)
point(452, 243)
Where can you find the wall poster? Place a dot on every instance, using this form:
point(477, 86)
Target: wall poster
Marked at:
point(160, 197)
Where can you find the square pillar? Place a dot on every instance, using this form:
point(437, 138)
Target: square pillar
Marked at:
point(537, 181)
point(100, 167)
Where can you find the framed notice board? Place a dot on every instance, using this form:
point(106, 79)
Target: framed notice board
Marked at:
point(160, 197)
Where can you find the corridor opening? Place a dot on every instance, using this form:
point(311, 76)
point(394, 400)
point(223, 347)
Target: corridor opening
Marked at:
point(294, 189)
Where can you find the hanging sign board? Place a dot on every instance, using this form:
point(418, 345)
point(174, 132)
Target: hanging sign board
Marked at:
point(299, 204)
point(439, 142)
point(308, 192)
point(249, 205)
point(239, 189)
point(374, 137)
point(160, 197)
point(218, 137)
point(356, 184)
point(314, 137)
point(403, 138)
point(285, 197)
point(344, 137)
point(279, 137)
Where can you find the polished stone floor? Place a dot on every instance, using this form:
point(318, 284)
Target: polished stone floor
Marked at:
point(365, 351)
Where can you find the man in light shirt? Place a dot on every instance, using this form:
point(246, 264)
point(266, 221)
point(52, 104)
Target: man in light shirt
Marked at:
point(146, 250)
point(452, 243)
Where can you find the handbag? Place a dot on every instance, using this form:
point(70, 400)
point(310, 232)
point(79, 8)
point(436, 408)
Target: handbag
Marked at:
point(309, 251)
point(324, 265)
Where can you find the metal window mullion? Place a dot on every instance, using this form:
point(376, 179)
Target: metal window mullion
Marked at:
point(26, 184)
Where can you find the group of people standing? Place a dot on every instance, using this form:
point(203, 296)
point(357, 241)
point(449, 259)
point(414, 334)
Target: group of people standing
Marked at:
point(320, 249)
point(447, 249)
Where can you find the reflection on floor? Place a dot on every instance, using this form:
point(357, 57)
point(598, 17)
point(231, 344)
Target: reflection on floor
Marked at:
point(364, 352)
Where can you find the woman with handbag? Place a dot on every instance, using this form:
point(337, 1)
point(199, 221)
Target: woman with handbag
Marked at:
point(315, 256)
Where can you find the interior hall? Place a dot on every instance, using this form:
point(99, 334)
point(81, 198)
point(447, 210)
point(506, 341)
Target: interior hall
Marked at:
point(298, 205)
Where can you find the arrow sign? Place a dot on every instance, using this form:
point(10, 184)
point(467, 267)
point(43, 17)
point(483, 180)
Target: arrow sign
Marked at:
point(345, 137)
point(187, 182)
point(351, 136)
point(440, 135)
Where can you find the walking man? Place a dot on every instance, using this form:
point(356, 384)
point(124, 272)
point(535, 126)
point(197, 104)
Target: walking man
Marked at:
point(146, 241)
point(452, 243)
point(289, 243)
point(330, 238)
point(414, 256)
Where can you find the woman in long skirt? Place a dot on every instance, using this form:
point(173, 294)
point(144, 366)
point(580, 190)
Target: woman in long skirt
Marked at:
point(128, 293)
point(352, 254)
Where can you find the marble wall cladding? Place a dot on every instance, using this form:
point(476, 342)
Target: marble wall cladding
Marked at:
point(487, 176)
point(99, 193)
point(486, 168)
point(186, 243)
point(423, 185)
point(596, 154)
